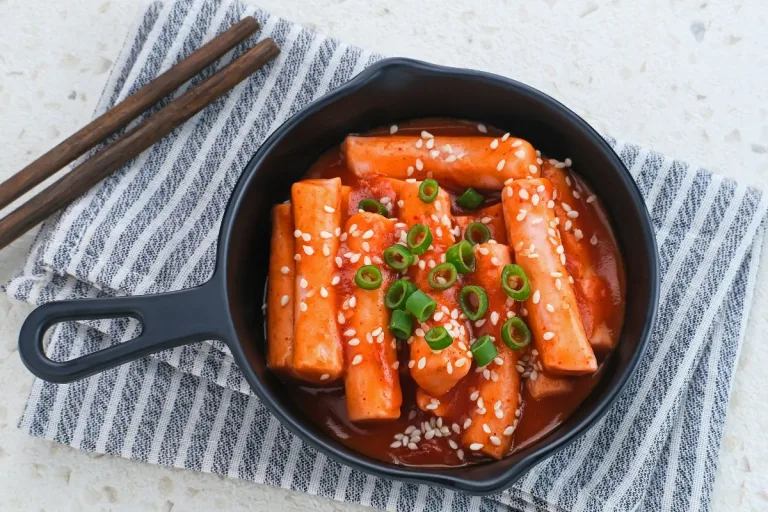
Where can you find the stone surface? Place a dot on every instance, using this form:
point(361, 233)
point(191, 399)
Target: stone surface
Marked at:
point(685, 78)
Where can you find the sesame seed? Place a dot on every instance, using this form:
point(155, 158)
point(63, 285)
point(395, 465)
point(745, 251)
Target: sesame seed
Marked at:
point(568, 224)
point(303, 306)
point(396, 444)
point(550, 204)
point(329, 209)
point(535, 199)
point(434, 153)
point(450, 158)
point(548, 335)
point(297, 233)
point(495, 440)
point(505, 137)
point(577, 233)
point(550, 308)
point(494, 143)
point(340, 318)
point(510, 193)
point(285, 270)
point(309, 251)
point(460, 454)
point(411, 363)
point(409, 171)
point(533, 169)
point(496, 261)
point(480, 322)
point(501, 164)
point(325, 376)
point(573, 214)
point(475, 446)
point(558, 284)
point(396, 365)
point(559, 249)
point(486, 428)
point(438, 207)
point(430, 144)
point(481, 128)
point(449, 368)
point(536, 297)
point(357, 360)
point(459, 363)
point(284, 300)
point(323, 292)
point(419, 143)
point(412, 446)
point(393, 129)
point(419, 164)
point(517, 143)
point(426, 135)
point(521, 214)
point(576, 194)
point(422, 363)
point(354, 258)
point(326, 250)
point(562, 259)
point(303, 283)
point(591, 199)
point(509, 430)
point(339, 261)
point(499, 413)
point(325, 234)
point(401, 203)
point(566, 207)
point(593, 240)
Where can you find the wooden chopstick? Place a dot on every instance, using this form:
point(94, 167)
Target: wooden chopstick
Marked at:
point(96, 168)
point(122, 114)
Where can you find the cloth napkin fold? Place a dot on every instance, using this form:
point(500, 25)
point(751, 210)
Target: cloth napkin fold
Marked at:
point(152, 227)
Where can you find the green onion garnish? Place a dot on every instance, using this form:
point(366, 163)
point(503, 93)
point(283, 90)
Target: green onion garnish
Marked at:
point(400, 324)
point(515, 282)
point(420, 305)
point(398, 294)
point(368, 277)
point(371, 205)
point(398, 257)
point(438, 338)
point(428, 190)
point(477, 233)
point(473, 301)
point(419, 238)
point(470, 199)
point(462, 256)
point(516, 333)
point(483, 350)
point(442, 276)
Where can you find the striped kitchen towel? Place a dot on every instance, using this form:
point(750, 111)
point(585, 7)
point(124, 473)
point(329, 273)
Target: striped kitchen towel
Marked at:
point(152, 227)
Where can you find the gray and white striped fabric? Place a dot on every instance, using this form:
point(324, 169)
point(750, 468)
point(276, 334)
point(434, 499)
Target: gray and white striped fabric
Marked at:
point(152, 227)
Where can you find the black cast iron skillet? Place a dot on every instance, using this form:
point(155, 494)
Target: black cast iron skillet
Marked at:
point(228, 307)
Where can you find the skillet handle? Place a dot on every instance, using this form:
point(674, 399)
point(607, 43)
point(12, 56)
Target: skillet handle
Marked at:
point(168, 320)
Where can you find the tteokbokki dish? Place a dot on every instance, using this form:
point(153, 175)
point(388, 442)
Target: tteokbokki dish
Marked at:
point(441, 293)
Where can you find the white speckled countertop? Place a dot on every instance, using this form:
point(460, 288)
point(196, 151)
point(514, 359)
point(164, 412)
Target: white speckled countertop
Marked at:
point(685, 77)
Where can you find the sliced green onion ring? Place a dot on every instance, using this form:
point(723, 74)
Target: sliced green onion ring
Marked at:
point(470, 199)
point(419, 238)
point(438, 338)
point(428, 190)
point(401, 324)
point(515, 333)
point(398, 294)
point(398, 257)
point(483, 350)
point(368, 277)
point(462, 256)
point(515, 282)
point(477, 233)
point(473, 301)
point(420, 305)
point(371, 205)
point(442, 276)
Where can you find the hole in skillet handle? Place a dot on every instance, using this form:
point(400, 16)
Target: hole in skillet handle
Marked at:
point(167, 320)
